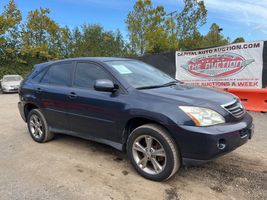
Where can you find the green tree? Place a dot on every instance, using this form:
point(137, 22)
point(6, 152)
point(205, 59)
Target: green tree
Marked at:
point(42, 37)
point(93, 40)
point(10, 21)
point(156, 34)
point(214, 37)
point(193, 41)
point(137, 21)
point(147, 28)
point(170, 26)
point(66, 42)
point(151, 31)
point(192, 17)
point(238, 40)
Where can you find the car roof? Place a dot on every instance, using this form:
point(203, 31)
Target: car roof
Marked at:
point(99, 59)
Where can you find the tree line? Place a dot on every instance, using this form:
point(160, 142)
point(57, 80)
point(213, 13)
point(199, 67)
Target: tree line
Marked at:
point(39, 38)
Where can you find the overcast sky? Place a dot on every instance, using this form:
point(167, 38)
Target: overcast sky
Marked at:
point(247, 18)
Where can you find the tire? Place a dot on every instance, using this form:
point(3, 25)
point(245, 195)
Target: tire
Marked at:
point(145, 160)
point(42, 136)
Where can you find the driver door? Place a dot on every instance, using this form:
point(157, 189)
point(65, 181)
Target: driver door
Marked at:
point(94, 114)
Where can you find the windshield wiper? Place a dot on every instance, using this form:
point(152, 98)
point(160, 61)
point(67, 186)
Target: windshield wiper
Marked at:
point(169, 84)
point(148, 87)
point(158, 86)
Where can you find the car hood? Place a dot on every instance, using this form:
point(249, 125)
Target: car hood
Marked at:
point(192, 95)
point(11, 83)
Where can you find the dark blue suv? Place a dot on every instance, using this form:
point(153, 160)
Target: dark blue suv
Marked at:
point(133, 107)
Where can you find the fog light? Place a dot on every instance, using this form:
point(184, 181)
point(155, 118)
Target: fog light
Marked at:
point(221, 144)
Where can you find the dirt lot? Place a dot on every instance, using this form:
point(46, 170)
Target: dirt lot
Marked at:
point(71, 168)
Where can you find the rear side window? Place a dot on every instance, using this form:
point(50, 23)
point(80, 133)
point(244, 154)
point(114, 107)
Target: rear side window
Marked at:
point(59, 74)
point(87, 73)
point(37, 78)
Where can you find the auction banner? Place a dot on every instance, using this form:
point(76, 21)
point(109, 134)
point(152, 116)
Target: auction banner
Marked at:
point(233, 66)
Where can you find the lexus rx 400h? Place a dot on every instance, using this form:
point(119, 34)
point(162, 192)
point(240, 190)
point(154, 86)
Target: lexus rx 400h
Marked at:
point(134, 107)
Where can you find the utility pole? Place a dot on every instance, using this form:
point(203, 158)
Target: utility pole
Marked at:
point(219, 30)
point(171, 14)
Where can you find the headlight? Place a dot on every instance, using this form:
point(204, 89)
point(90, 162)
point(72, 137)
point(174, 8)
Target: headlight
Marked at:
point(203, 116)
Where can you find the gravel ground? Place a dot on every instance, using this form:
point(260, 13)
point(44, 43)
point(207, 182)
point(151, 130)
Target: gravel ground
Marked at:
point(72, 168)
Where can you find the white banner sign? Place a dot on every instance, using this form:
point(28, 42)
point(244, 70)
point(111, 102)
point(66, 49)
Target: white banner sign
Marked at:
point(232, 66)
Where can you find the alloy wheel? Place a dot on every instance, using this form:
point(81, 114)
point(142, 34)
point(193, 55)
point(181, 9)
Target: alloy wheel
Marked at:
point(149, 154)
point(36, 126)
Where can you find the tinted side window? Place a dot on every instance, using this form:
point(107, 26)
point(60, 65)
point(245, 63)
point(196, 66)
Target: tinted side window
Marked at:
point(59, 74)
point(87, 73)
point(37, 78)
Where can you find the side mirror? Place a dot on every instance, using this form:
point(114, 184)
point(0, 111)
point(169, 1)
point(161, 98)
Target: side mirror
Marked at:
point(105, 85)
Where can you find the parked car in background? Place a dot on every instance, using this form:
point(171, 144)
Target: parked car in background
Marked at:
point(133, 107)
point(10, 83)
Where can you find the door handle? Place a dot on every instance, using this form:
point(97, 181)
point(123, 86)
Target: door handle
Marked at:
point(72, 95)
point(38, 90)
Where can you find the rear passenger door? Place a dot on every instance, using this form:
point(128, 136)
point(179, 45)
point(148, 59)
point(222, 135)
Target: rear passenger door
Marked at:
point(53, 92)
point(94, 114)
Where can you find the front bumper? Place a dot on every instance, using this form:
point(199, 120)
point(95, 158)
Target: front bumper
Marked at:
point(7, 90)
point(201, 144)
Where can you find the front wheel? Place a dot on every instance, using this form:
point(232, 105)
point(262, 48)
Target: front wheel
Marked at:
point(153, 153)
point(38, 127)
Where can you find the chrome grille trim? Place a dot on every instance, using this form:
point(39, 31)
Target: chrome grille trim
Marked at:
point(235, 108)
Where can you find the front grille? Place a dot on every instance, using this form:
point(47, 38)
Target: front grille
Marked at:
point(235, 108)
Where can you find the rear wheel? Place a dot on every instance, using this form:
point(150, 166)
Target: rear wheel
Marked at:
point(37, 126)
point(153, 153)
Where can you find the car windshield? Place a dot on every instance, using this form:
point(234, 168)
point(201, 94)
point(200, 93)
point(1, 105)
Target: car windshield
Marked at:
point(11, 78)
point(141, 75)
